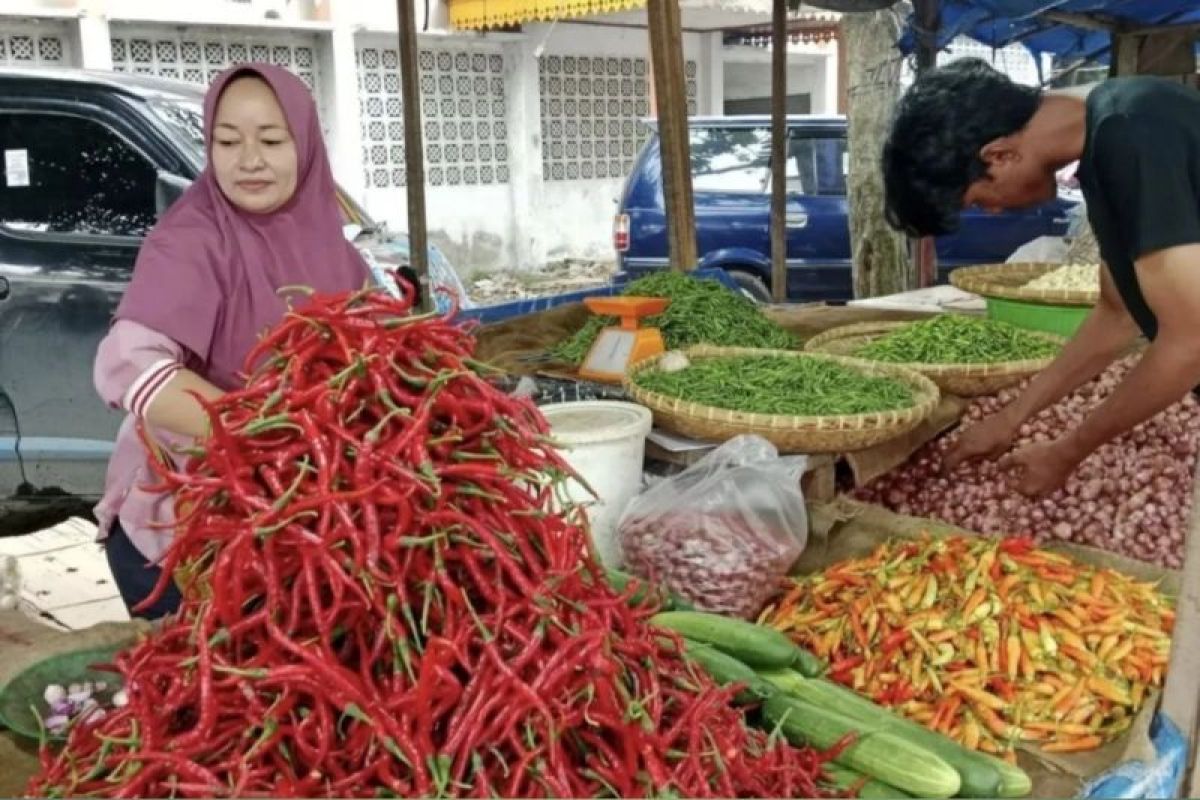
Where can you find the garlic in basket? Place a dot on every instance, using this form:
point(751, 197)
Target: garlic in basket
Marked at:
point(673, 361)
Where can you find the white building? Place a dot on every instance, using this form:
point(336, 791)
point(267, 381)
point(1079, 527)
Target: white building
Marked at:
point(528, 134)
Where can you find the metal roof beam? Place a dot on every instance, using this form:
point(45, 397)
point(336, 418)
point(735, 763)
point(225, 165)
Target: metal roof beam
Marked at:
point(1093, 22)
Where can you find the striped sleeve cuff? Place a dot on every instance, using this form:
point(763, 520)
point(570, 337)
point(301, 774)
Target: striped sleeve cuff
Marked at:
point(147, 386)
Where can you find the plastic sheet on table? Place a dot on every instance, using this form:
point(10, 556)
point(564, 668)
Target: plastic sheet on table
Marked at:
point(1159, 777)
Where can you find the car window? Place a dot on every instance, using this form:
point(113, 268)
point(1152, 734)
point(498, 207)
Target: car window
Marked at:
point(70, 175)
point(817, 165)
point(731, 159)
point(185, 119)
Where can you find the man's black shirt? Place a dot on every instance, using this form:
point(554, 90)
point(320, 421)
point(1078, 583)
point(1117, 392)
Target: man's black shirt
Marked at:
point(1140, 175)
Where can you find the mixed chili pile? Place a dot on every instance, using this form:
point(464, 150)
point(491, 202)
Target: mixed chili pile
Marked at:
point(991, 642)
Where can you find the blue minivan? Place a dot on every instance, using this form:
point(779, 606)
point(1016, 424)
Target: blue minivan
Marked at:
point(731, 178)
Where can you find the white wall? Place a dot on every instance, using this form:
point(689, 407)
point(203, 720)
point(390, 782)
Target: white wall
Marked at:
point(553, 203)
point(812, 70)
point(574, 218)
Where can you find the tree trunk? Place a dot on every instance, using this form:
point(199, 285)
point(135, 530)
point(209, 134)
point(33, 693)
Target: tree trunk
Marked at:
point(881, 263)
point(1083, 248)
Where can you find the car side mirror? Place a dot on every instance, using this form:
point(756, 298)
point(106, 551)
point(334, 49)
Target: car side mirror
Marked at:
point(168, 188)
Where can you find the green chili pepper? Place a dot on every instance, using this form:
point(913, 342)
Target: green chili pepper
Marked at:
point(770, 384)
point(701, 312)
point(957, 339)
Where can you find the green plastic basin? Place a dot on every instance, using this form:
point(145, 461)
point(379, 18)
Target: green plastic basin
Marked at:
point(1061, 320)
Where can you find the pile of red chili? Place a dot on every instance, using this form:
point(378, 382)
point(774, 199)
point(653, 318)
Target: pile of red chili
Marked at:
point(385, 597)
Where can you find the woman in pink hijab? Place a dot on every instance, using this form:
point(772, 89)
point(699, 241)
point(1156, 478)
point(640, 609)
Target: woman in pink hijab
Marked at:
point(262, 216)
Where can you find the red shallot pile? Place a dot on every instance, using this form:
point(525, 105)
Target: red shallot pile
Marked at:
point(1132, 496)
point(384, 597)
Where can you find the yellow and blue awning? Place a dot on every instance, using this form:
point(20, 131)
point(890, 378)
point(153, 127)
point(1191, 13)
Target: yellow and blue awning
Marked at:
point(485, 14)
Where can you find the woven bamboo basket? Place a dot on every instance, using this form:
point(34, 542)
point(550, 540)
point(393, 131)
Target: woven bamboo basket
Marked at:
point(791, 434)
point(964, 380)
point(1007, 281)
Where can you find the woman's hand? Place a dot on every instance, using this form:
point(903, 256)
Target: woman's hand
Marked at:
point(176, 409)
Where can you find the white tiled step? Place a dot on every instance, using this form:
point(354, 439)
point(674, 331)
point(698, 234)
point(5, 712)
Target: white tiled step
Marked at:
point(65, 576)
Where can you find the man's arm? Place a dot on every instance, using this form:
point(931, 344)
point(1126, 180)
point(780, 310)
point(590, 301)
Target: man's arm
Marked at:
point(1104, 334)
point(1170, 368)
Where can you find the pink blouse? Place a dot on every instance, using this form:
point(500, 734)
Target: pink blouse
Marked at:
point(132, 365)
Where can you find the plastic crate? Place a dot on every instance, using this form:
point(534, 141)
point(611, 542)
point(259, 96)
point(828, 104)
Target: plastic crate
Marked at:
point(1062, 320)
point(531, 305)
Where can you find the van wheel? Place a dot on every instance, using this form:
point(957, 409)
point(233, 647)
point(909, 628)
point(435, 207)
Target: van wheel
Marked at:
point(751, 286)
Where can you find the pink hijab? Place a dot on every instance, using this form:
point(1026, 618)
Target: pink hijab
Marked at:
point(208, 276)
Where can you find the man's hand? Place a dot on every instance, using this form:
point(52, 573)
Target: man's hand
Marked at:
point(1106, 332)
point(1039, 469)
point(987, 439)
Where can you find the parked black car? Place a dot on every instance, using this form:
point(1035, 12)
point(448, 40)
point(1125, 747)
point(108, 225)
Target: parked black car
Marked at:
point(90, 161)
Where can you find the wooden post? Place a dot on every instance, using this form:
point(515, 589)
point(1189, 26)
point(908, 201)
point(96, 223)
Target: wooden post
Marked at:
point(1179, 688)
point(929, 18)
point(414, 148)
point(843, 70)
point(779, 150)
point(670, 97)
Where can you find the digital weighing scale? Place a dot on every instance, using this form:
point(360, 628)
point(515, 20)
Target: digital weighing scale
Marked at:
point(619, 346)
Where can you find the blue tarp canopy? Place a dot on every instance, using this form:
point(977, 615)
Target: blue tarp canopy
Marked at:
point(1003, 22)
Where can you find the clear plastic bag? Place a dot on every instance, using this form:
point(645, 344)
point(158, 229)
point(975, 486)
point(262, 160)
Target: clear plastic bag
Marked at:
point(724, 532)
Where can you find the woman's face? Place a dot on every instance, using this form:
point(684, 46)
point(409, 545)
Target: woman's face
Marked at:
point(253, 153)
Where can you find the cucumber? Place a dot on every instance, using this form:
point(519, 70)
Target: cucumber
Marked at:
point(619, 581)
point(846, 779)
point(884, 756)
point(1014, 781)
point(978, 772)
point(725, 669)
point(787, 680)
point(807, 664)
point(755, 645)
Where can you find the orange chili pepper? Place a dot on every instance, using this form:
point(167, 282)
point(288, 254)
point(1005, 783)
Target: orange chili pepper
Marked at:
point(979, 697)
point(1013, 656)
point(1076, 745)
point(1068, 702)
point(1080, 656)
point(971, 733)
point(1028, 669)
point(994, 722)
point(860, 635)
point(952, 706)
point(1107, 690)
point(977, 597)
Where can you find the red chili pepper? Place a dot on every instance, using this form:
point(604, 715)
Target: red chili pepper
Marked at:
point(1003, 688)
point(846, 664)
point(895, 641)
point(1014, 545)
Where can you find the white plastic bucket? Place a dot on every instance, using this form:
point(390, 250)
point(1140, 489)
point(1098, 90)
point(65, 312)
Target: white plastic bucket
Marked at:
point(605, 442)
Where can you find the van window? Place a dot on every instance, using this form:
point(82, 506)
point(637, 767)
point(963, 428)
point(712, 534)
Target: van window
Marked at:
point(817, 166)
point(70, 175)
point(731, 159)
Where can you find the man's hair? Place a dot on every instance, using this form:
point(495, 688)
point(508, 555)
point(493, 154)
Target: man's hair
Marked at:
point(931, 155)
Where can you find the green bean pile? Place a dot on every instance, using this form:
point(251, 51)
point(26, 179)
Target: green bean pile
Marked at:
point(957, 339)
point(770, 384)
point(701, 312)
